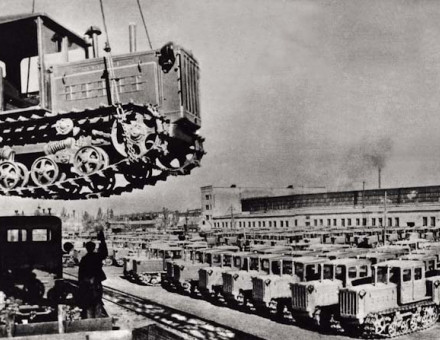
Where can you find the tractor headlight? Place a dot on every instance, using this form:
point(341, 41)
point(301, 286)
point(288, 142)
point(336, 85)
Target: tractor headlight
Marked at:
point(267, 282)
point(437, 283)
point(310, 289)
point(181, 267)
point(210, 272)
point(235, 276)
point(362, 293)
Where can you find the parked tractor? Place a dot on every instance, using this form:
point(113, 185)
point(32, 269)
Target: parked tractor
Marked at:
point(400, 300)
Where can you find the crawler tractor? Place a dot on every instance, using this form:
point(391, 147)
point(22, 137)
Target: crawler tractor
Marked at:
point(318, 299)
point(189, 255)
point(186, 275)
point(400, 300)
point(271, 291)
point(237, 285)
point(210, 278)
point(76, 126)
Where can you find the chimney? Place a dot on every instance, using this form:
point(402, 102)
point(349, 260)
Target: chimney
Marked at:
point(93, 33)
point(379, 177)
point(132, 37)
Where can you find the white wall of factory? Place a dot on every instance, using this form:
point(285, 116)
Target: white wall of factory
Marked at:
point(219, 201)
point(395, 216)
point(418, 216)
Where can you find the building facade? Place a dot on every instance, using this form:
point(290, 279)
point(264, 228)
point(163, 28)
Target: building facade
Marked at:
point(226, 202)
point(415, 206)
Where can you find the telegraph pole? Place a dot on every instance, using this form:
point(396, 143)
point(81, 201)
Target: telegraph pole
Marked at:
point(232, 216)
point(385, 219)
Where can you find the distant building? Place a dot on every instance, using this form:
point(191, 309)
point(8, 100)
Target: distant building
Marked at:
point(415, 206)
point(226, 201)
point(124, 226)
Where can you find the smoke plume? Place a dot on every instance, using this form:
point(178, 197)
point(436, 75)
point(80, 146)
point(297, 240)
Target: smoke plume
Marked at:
point(363, 159)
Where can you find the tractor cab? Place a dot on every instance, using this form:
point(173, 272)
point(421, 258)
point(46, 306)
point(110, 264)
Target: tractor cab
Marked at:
point(31, 45)
point(210, 278)
point(272, 289)
point(237, 285)
point(408, 276)
point(430, 261)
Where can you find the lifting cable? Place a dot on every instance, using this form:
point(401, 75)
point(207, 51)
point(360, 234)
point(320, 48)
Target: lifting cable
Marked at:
point(114, 87)
point(145, 24)
point(29, 60)
point(120, 114)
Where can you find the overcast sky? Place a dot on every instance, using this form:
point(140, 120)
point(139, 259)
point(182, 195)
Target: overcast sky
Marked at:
point(308, 93)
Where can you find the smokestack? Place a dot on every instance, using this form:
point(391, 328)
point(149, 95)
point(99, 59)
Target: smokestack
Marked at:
point(93, 32)
point(132, 37)
point(379, 177)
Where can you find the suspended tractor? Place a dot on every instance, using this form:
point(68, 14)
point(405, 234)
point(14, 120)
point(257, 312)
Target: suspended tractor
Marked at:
point(75, 125)
point(400, 300)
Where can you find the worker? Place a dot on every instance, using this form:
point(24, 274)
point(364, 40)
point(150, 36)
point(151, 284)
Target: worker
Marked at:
point(90, 277)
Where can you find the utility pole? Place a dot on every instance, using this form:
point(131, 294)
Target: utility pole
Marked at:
point(385, 219)
point(363, 194)
point(232, 217)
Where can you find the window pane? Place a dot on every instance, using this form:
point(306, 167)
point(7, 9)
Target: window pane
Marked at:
point(328, 272)
point(23, 235)
point(339, 272)
point(13, 235)
point(352, 272)
point(276, 268)
point(287, 267)
point(363, 271)
point(40, 235)
point(418, 274)
point(406, 275)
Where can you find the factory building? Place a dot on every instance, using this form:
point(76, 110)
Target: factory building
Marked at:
point(415, 206)
point(219, 201)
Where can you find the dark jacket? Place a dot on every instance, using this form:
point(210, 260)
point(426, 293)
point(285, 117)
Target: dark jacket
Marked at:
point(91, 264)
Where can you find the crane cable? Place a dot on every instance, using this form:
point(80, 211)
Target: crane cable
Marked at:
point(114, 87)
point(29, 60)
point(120, 114)
point(145, 24)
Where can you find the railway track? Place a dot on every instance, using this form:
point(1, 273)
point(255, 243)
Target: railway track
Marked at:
point(194, 326)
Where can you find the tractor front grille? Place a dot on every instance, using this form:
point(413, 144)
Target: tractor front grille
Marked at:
point(203, 278)
point(348, 303)
point(228, 283)
point(299, 296)
point(176, 272)
point(257, 289)
point(190, 84)
point(170, 270)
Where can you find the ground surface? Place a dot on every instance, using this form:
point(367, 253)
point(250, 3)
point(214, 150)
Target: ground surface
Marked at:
point(249, 323)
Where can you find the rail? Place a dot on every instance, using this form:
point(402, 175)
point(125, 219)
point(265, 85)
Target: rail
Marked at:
point(189, 324)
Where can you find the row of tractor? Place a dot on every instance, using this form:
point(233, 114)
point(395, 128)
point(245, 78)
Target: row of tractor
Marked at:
point(386, 291)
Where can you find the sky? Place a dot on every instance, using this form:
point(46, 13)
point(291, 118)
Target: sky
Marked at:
point(303, 93)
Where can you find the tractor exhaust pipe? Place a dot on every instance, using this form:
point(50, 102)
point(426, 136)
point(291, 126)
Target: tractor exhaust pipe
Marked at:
point(132, 37)
point(93, 32)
